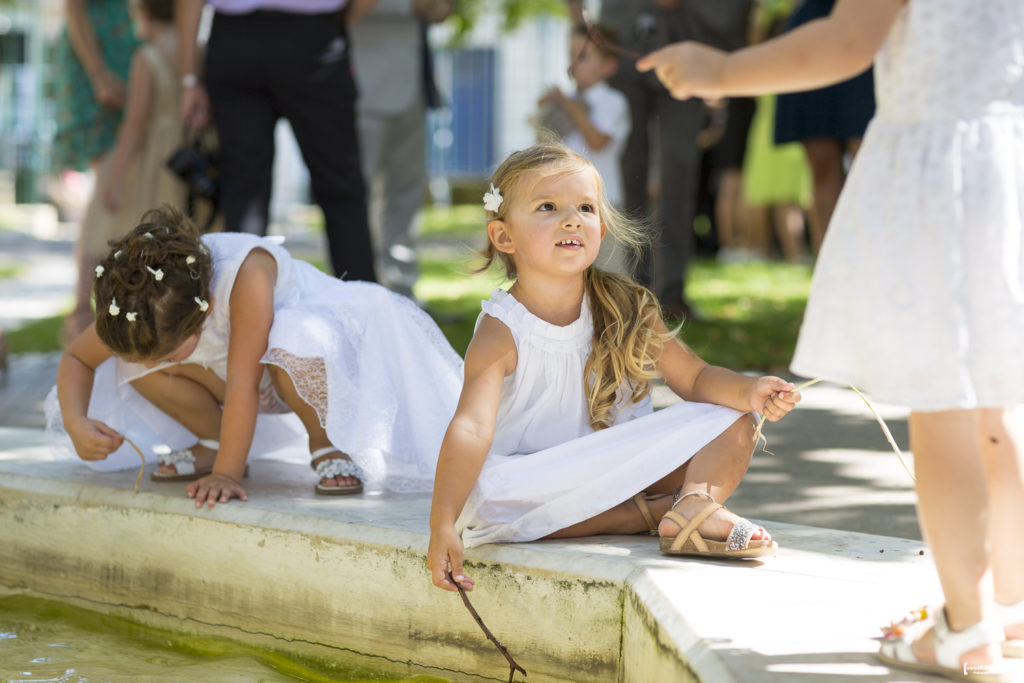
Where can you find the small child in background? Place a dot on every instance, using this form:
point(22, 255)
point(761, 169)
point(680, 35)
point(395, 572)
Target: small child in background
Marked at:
point(198, 339)
point(136, 177)
point(554, 434)
point(595, 121)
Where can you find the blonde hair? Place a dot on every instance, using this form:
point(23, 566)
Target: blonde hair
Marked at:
point(158, 273)
point(626, 344)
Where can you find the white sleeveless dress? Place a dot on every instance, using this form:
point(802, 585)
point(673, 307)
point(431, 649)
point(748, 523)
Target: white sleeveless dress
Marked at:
point(918, 293)
point(389, 390)
point(548, 469)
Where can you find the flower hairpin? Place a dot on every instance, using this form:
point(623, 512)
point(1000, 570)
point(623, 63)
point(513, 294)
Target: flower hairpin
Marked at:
point(113, 310)
point(158, 274)
point(189, 260)
point(130, 316)
point(99, 271)
point(493, 199)
point(203, 305)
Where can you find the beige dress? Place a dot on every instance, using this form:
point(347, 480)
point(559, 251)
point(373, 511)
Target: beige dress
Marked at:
point(147, 182)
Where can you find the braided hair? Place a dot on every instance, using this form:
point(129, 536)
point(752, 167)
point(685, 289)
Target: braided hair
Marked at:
point(152, 290)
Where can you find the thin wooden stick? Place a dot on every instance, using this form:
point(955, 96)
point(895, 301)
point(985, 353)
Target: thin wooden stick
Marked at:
point(881, 423)
point(513, 666)
point(142, 467)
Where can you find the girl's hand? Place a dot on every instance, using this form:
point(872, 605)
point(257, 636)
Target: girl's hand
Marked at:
point(773, 397)
point(215, 488)
point(687, 69)
point(446, 550)
point(92, 439)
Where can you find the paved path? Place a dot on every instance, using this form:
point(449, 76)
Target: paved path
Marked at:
point(829, 464)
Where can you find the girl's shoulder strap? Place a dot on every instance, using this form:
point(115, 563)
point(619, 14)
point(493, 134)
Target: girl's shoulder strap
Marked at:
point(501, 306)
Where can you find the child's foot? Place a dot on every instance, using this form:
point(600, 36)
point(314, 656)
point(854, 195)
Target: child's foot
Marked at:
point(186, 464)
point(718, 533)
point(930, 645)
point(339, 476)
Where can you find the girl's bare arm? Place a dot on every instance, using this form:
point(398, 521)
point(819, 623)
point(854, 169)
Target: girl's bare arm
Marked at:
point(491, 356)
point(133, 128)
point(93, 440)
point(815, 54)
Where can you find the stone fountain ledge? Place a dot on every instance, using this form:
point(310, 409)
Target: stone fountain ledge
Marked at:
point(343, 581)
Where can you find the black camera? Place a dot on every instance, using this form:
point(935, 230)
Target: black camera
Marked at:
point(198, 168)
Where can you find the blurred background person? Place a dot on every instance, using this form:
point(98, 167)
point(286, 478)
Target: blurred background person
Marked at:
point(91, 60)
point(829, 122)
point(395, 75)
point(271, 58)
point(594, 121)
point(135, 178)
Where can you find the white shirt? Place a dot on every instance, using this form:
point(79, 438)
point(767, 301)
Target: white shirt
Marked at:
point(609, 113)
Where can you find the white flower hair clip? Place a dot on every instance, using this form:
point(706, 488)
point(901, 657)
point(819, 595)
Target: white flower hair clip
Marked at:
point(158, 274)
point(203, 305)
point(493, 199)
point(99, 271)
point(113, 310)
point(189, 260)
point(130, 316)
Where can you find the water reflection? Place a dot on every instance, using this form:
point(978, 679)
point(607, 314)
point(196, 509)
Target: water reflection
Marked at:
point(47, 642)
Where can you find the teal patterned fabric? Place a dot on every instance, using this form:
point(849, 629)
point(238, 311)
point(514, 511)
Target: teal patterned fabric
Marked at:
point(85, 129)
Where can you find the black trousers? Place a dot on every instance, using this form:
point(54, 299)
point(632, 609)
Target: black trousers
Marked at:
point(268, 64)
point(664, 267)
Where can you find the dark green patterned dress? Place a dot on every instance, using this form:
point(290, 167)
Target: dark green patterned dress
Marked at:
point(86, 129)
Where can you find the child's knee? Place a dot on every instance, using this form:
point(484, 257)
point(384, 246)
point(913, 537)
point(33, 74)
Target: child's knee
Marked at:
point(742, 436)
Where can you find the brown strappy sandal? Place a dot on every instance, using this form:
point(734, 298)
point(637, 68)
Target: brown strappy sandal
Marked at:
point(739, 544)
point(640, 500)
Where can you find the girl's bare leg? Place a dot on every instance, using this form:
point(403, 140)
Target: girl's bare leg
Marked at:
point(789, 229)
point(285, 388)
point(1002, 454)
point(825, 157)
point(954, 513)
point(191, 395)
point(717, 469)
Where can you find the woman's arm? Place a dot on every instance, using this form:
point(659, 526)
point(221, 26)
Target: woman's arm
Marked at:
point(195, 104)
point(133, 128)
point(818, 53)
point(252, 314)
point(106, 85)
point(92, 439)
point(491, 356)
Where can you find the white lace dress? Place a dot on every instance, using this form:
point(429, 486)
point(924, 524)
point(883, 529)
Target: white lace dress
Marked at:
point(548, 469)
point(918, 294)
point(389, 390)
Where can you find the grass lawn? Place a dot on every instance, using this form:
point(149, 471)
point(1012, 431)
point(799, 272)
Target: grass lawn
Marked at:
point(752, 311)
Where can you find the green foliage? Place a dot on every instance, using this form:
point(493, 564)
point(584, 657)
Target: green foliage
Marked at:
point(514, 12)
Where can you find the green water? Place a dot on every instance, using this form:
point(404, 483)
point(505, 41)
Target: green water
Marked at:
point(43, 641)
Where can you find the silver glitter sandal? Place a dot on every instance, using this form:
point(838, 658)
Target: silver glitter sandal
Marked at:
point(330, 463)
point(183, 461)
point(739, 544)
